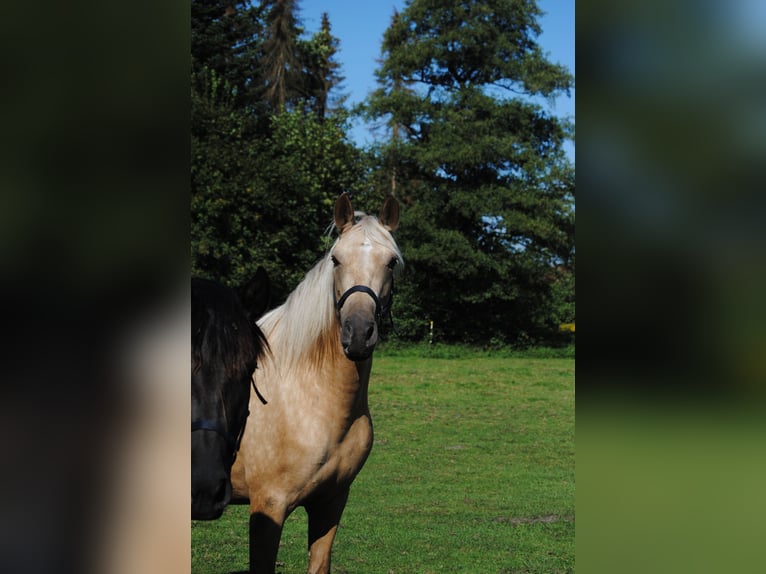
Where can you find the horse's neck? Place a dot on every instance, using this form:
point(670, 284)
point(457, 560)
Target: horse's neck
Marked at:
point(323, 372)
point(343, 382)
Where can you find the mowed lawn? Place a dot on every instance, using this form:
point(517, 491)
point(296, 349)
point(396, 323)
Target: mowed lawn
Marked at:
point(472, 470)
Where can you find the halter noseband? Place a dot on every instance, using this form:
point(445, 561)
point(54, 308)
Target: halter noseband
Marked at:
point(380, 309)
point(232, 441)
point(215, 426)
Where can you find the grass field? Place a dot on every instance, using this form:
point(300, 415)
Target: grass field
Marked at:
point(472, 470)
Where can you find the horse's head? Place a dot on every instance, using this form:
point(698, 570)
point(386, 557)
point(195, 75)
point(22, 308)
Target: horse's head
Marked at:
point(225, 347)
point(364, 258)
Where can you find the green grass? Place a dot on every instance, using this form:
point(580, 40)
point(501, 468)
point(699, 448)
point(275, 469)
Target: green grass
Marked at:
point(394, 348)
point(472, 471)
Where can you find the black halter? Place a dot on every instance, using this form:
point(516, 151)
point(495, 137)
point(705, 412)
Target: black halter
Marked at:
point(232, 441)
point(381, 310)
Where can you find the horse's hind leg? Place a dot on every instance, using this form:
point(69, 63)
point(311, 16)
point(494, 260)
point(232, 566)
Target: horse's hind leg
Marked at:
point(265, 533)
point(324, 516)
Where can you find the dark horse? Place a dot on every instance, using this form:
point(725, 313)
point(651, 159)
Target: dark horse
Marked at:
point(226, 345)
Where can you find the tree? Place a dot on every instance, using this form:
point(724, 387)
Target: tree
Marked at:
point(281, 71)
point(479, 165)
point(226, 36)
point(322, 73)
point(225, 41)
point(265, 172)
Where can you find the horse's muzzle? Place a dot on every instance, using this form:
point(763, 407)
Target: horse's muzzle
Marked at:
point(359, 335)
point(209, 501)
point(210, 483)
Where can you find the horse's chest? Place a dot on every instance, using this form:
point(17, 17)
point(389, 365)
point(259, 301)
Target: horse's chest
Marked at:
point(345, 455)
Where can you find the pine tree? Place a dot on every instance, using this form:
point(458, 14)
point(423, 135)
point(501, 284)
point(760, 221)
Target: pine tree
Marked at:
point(322, 73)
point(480, 164)
point(265, 167)
point(280, 70)
point(225, 38)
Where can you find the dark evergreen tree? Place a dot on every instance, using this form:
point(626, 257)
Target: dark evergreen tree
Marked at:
point(225, 42)
point(265, 169)
point(322, 74)
point(479, 164)
point(281, 70)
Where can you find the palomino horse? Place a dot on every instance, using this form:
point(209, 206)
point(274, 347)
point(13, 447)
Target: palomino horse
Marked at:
point(315, 433)
point(226, 345)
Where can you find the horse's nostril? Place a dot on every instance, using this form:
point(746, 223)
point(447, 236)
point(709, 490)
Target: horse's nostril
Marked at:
point(370, 332)
point(222, 494)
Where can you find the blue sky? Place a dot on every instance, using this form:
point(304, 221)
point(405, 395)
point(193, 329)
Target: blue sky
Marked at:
point(360, 26)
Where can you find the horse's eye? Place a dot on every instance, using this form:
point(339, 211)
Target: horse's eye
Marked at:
point(335, 261)
point(392, 263)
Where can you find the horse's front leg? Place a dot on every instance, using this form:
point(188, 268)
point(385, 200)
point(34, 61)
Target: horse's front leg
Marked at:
point(324, 516)
point(265, 532)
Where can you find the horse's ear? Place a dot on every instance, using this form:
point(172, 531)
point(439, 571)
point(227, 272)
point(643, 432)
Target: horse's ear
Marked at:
point(389, 213)
point(344, 213)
